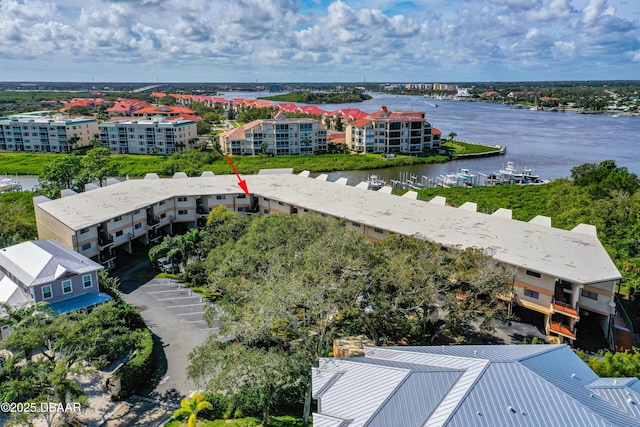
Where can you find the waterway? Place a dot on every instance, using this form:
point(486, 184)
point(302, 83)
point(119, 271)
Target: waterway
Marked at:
point(550, 143)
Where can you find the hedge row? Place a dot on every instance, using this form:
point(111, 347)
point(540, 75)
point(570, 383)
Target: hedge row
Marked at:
point(141, 365)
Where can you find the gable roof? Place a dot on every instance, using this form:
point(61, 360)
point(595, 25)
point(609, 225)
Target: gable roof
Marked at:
point(44, 261)
point(509, 385)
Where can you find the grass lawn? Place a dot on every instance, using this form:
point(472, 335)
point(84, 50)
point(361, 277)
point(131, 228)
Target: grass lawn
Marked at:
point(139, 165)
point(459, 147)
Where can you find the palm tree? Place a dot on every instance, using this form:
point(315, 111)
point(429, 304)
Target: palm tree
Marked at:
point(452, 135)
point(191, 407)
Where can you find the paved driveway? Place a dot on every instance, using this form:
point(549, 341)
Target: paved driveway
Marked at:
point(173, 313)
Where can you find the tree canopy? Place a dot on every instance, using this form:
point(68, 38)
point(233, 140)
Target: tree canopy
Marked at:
point(290, 285)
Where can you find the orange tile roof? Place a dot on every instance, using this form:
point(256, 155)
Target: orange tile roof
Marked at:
point(436, 131)
point(360, 123)
point(312, 109)
point(158, 94)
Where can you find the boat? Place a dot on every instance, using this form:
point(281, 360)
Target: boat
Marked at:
point(465, 174)
point(510, 175)
point(375, 182)
point(8, 185)
point(448, 181)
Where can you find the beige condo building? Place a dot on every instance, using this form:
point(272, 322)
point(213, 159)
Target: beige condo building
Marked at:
point(561, 274)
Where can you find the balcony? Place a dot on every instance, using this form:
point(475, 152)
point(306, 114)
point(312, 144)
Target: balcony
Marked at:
point(564, 308)
point(202, 210)
point(153, 220)
point(563, 330)
point(106, 256)
point(105, 240)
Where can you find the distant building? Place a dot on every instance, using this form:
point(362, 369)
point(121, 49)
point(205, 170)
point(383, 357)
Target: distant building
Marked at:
point(148, 136)
point(278, 136)
point(391, 132)
point(48, 134)
point(47, 271)
point(496, 385)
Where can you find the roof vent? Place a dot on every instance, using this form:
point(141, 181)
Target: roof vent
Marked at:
point(615, 382)
point(574, 375)
point(522, 413)
point(591, 395)
point(479, 413)
point(510, 408)
point(630, 401)
point(475, 352)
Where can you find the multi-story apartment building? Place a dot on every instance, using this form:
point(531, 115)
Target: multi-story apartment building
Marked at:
point(55, 134)
point(561, 274)
point(147, 136)
point(392, 132)
point(278, 136)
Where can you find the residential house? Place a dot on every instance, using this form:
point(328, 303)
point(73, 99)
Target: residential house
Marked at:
point(496, 385)
point(47, 271)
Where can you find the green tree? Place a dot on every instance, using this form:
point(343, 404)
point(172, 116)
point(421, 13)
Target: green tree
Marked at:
point(190, 408)
point(249, 378)
point(616, 364)
point(98, 165)
point(452, 135)
point(63, 172)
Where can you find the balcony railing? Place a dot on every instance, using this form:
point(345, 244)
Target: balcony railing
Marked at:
point(105, 240)
point(564, 330)
point(153, 220)
point(564, 308)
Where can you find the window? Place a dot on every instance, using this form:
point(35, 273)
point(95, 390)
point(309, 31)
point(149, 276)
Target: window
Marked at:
point(86, 281)
point(589, 294)
point(118, 233)
point(220, 197)
point(86, 246)
point(281, 204)
point(355, 224)
point(164, 215)
point(377, 230)
point(138, 225)
point(46, 292)
point(182, 199)
point(136, 212)
point(241, 196)
point(161, 203)
point(66, 287)
point(533, 273)
point(182, 212)
point(84, 230)
point(116, 219)
point(531, 294)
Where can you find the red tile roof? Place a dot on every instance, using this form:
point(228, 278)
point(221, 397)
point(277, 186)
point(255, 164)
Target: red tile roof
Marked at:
point(360, 122)
point(436, 131)
point(312, 109)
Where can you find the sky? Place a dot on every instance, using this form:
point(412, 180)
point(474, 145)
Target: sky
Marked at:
point(270, 41)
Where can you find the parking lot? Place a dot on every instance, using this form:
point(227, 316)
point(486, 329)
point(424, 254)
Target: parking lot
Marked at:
point(174, 314)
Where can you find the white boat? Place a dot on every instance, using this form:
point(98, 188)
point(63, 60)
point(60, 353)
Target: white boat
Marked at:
point(448, 181)
point(465, 174)
point(7, 185)
point(375, 182)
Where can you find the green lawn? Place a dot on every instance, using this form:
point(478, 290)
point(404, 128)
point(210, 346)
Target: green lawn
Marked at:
point(459, 147)
point(139, 165)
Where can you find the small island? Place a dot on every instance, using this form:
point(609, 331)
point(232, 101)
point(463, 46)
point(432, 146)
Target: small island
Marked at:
point(320, 97)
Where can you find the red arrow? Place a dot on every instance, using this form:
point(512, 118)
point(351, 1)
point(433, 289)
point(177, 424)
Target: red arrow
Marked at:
point(241, 182)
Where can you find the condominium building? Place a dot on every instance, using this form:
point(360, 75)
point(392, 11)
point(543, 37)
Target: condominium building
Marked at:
point(278, 136)
point(40, 133)
point(148, 136)
point(561, 274)
point(392, 132)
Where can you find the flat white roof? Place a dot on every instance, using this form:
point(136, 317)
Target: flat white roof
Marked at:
point(571, 255)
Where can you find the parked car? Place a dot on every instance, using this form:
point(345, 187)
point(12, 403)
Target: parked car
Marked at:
point(164, 265)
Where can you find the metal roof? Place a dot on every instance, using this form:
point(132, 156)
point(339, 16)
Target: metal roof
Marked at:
point(575, 256)
point(43, 261)
point(545, 385)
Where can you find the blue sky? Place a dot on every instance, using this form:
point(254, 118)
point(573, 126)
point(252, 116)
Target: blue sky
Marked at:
point(319, 40)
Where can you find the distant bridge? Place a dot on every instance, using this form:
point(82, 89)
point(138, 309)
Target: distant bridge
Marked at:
point(144, 89)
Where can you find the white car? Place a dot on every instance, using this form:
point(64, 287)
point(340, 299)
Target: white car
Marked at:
point(165, 265)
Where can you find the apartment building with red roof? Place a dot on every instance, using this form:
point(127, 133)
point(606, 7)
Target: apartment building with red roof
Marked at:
point(392, 132)
point(279, 136)
point(126, 107)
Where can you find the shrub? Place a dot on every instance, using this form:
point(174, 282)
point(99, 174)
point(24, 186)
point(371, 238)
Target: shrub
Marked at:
point(140, 365)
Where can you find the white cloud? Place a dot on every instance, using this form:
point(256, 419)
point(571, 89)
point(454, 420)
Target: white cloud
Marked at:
point(564, 50)
point(552, 11)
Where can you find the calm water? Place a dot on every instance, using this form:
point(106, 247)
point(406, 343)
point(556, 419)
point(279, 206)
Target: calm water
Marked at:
point(550, 143)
